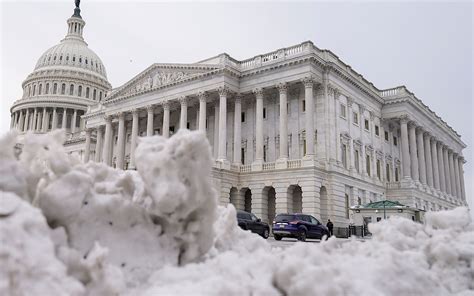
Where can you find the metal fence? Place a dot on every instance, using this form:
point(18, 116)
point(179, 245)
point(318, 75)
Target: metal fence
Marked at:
point(346, 232)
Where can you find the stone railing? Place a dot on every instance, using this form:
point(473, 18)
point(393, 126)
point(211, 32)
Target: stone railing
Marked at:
point(246, 168)
point(391, 91)
point(293, 164)
point(393, 185)
point(235, 167)
point(269, 166)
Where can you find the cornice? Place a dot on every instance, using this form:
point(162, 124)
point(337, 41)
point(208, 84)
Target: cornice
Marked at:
point(51, 102)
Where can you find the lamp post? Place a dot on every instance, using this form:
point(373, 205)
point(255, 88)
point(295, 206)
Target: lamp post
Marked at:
point(384, 200)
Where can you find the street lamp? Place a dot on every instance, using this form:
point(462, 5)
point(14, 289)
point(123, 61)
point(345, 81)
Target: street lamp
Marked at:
point(384, 216)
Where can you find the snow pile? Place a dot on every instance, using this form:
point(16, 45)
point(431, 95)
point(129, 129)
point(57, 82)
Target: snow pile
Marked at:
point(68, 228)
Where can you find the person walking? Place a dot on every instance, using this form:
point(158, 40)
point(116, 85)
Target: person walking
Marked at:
point(330, 226)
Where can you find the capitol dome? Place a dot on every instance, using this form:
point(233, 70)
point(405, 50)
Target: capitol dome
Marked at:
point(67, 79)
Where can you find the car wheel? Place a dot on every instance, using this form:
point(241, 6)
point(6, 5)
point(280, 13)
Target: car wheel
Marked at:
point(266, 233)
point(243, 226)
point(302, 236)
point(277, 237)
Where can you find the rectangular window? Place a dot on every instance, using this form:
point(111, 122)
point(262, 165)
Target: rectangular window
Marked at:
point(242, 155)
point(303, 104)
point(187, 125)
point(395, 141)
point(264, 153)
point(396, 175)
point(343, 110)
point(366, 124)
point(378, 170)
point(386, 136)
point(367, 164)
point(377, 131)
point(355, 117)
point(387, 169)
point(356, 160)
point(242, 117)
point(264, 113)
point(206, 123)
point(344, 155)
point(304, 147)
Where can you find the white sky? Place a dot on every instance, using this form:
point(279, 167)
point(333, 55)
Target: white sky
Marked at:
point(426, 46)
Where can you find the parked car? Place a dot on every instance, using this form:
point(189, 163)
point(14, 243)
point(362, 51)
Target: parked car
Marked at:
point(299, 226)
point(248, 221)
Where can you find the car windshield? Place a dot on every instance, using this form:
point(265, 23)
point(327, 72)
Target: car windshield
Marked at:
point(284, 218)
point(241, 216)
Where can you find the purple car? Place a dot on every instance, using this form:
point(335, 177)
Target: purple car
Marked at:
point(299, 226)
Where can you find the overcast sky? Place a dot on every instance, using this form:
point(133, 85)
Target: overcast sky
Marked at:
point(426, 46)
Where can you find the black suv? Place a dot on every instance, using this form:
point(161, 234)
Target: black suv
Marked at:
point(248, 221)
point(299, 226)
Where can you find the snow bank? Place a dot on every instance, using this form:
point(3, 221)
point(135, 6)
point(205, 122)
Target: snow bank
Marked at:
point(68, 228)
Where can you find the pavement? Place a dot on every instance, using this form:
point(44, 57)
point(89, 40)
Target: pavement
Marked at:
point(288, 242)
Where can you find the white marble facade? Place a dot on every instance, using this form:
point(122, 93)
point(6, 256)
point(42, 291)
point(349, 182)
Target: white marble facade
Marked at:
point(294, 130)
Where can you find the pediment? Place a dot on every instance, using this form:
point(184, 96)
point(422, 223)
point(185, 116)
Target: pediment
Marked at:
point(160, 75)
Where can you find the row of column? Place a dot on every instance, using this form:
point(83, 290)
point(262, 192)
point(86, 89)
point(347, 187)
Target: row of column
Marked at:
point(221, 117)
point(428, 161)
point(39, 120)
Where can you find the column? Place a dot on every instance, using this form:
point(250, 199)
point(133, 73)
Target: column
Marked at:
point(223, 91)
point(98, 144)
point(21, 122)
point(88, 145)
point(121, 140)
point(259, 125)
point(456, 176)
point(33, 120)
point(461, 178)
point(435, 165)
point(64, 123)
point(415, 175)
point(74, 121)
point(283, 90)
point(447, 170)
point(215, 144)
point(12, 120)
point(309, 120)
point(202, 111)
point(429, 160)
point(107, 153)
point(39, 121)
point(451, 173)
point(405, 148)
point(183, 115)
point(55, 119)
point(350, 101)
point(421, 157)
point(149, 121)
point(441, 169)
point(237, 130)
point(133, 143)
point(27, 119)
point(166, 119)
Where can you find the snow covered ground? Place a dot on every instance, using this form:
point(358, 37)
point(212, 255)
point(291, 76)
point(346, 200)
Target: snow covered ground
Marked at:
point(68, 228)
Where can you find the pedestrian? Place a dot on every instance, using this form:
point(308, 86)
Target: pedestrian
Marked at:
point(330, 226)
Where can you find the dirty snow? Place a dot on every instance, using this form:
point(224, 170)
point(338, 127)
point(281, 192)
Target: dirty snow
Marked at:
point(68, 228)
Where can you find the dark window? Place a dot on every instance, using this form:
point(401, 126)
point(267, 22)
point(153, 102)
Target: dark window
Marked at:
point(79, 91)
point(377, 132)
point(46, 91)
point(367, 164)
point(378, 170)
point(366, 124)
point(304, 105)
point(100, 96)
point(87, 92)
point(284, 218)
point(94, 95)
point(387, 169)
point(264, 153)
point(71, 89)
point(242, 117)
point(40, 88)
point(63, 88)
point(355, 117)
point(73, 59)
point(187, 125)
point(264, 113)
point(34, 90)
point(396, 175)
point(171, 130)
point(395, 141)
point(386, 136)
point(242, 155)
point(80, 60)
point(356, 160)
point(55, 88)
point(67, 58)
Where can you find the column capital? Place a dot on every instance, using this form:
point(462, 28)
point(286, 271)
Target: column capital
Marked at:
point(350, 101)
point(88, 131)
point(258, 92)
point(202, 95)
point(108, 118)
point(404, 119)
point(413, 124)
point(165, 105)
point(461, 159)
point(238, 98)
point(371, 115)
point(361, 108)
point(427, 135)
point(134, 111)
point(120, 115)
point(100, 128)
point(150, 108)
point(308, 81)
point(183, 100)
point(282, 87)
point(223, 90)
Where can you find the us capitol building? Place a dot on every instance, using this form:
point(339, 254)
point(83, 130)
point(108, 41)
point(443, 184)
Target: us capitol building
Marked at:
point(293, 130)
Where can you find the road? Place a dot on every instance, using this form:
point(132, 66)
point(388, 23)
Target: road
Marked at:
point(288, 242)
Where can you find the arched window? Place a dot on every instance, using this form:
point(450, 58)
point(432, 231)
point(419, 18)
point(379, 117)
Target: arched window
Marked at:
point(61, 58)
point(100, 96)
point(87, 92)
point(54, 58)
point(73, 59)
point(94, 95)
point(49, 58)
point(86, 62)
point(29, 90)
point(71, 89)
point(55, 88)
point(46, 90)
point(34, 90)
point(63, 88)
point(67, 58)
point(80, 60)
point(79, 91)
point(40, 89)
